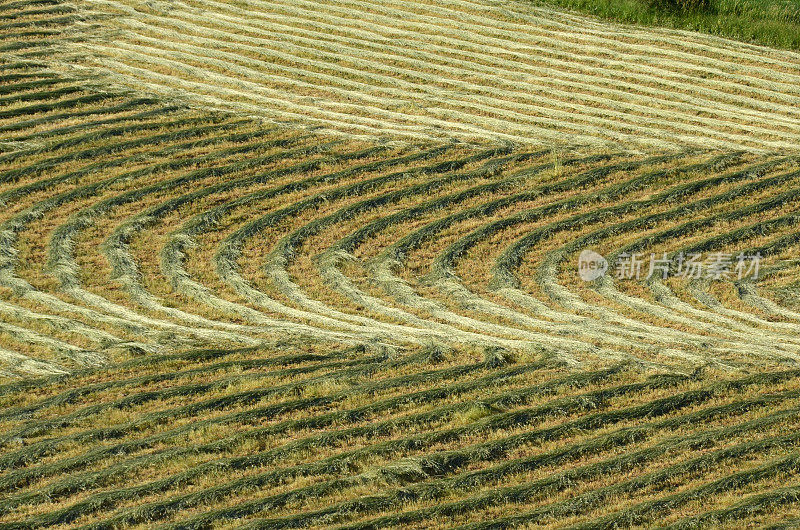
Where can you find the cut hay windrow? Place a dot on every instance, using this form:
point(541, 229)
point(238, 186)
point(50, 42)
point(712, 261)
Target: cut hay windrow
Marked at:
point(369, 367)
point(16, 174)
point(21, 221)
point(616, 439)
point(230, 245)
point(330, 464)
point(464, 95)
point(751, 507)
point(74, 395)
point(329, 270)
point(325, 439)
point(512, 257)
point(626, 185)
point(43, 184)
point(298, 264)
point(775, 346)
point(448, 462)
point(639, 514)
point(58, 105)
point(24, 476)
point(343, 369)
point(760, 230)
point(470, 480)
point(123, 106)
point(776, 200)
point(414, 240)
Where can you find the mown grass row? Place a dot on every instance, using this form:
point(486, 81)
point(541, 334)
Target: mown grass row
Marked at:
point(435, 466)
point(776, 200)
point(126, 270)
point(625, 186)
point(372, 395)
point(277, 454)
point(334, 463)
point(442, 488)
point(646, 410)
point(451, 82)
point(303, 403)
point(35, 429)
point(407, 195)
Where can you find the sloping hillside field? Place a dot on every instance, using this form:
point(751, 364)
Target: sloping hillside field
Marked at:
point(397, 264)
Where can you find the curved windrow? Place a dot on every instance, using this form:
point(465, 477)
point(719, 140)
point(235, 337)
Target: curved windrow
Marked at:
point(376, 320)
point(134, 226)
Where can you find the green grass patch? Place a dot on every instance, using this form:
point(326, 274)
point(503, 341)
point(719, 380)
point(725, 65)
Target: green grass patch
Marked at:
point(768, 22)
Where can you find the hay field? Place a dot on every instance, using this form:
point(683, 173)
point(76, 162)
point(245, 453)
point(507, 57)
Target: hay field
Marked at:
point(292, 264)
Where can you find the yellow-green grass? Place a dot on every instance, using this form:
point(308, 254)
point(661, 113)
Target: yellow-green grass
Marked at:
point(333, 283)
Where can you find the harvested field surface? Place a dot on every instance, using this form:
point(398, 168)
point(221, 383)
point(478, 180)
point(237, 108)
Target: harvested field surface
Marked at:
point(472, 69)
point(291, 264)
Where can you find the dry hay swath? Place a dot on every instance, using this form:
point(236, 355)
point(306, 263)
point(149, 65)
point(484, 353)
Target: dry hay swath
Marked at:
point(232, 321)
point(468, 69)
